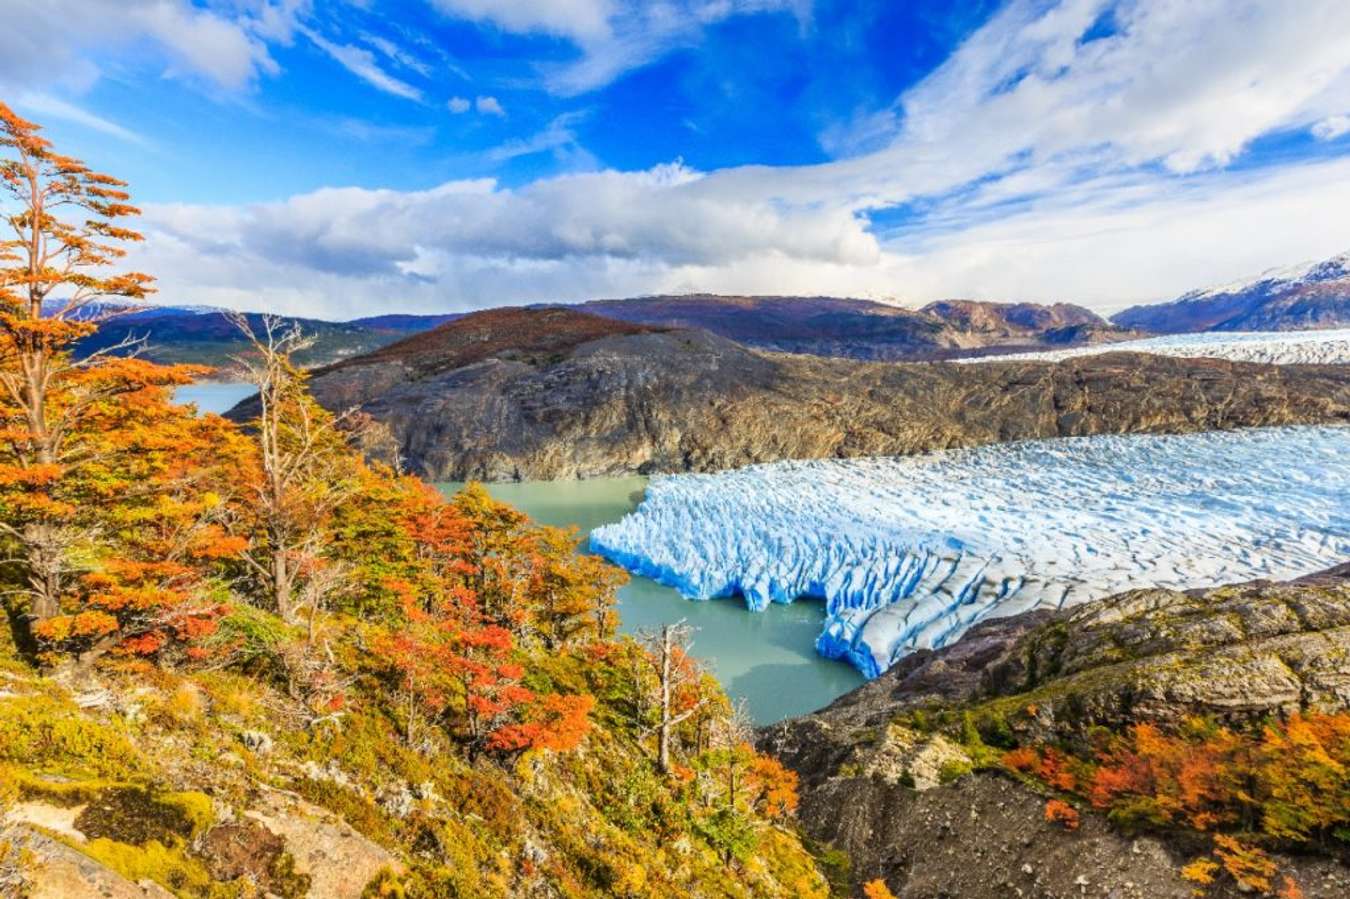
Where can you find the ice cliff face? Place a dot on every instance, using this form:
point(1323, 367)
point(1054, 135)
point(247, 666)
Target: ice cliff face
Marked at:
point(1273, 347)
point(910, 552)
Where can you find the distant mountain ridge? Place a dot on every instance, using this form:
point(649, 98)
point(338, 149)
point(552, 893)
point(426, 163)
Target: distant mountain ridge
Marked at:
point(818, 326)
point(1303, 297)
point(866, 329)
point(1306, 296)
point(210, 338)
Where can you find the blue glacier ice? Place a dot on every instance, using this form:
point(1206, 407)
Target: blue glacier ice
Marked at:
point(910, 552)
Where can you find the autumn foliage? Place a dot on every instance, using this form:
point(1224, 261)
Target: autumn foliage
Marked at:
point(877, 889)
point(1060, 812)
point(1286, 785)
point(413, 638)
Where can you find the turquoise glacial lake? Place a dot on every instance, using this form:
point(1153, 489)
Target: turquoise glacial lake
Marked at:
point(767, 658)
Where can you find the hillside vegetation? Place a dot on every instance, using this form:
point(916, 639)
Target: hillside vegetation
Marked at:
point(241, 661)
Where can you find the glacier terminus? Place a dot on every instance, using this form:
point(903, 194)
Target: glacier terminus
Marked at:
point(909, 552)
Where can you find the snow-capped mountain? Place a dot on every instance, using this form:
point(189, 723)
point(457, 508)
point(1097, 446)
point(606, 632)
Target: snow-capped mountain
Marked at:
point(1305, 296)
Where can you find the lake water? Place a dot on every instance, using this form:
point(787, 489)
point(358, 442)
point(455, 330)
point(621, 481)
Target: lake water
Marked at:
point(766, 658)
point(213, 396)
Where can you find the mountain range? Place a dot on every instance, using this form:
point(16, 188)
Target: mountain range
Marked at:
point(1307, 296)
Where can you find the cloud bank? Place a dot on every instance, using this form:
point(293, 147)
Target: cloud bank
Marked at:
point(1099, 151)
point(1080, 150)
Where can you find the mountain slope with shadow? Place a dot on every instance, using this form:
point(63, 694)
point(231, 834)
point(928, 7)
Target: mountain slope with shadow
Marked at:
point(553, 393)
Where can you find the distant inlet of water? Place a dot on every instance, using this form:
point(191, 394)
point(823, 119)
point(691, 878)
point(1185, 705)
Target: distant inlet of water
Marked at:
point(213, 396)
point(767, 659)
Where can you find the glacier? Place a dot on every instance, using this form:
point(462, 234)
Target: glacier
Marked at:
point(909, 552)
point(1331, 347)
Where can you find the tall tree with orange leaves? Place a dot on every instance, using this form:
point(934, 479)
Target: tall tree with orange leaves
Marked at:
point(59, 277)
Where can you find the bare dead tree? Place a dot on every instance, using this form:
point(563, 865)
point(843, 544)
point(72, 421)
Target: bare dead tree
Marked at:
point(305, 477)
point(729, 733)
point(668, 652)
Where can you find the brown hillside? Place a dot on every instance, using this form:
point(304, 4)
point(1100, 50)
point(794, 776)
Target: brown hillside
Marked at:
point(524, 334)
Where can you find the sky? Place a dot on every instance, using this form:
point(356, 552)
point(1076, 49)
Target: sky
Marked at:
point(340, 158)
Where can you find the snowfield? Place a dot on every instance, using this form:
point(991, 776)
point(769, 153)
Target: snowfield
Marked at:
point(910, 552)
point(1278, 347)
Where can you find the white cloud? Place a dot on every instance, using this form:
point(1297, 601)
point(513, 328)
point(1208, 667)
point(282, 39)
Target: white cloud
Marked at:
point(221, 45)
point(1030, 165)
point(483, 105)
point(396, 54)
point(556, 137)
point(59, 41)
point(362, 63)
point(577, 19)
point(47, 106)
point(1332, 127)
point(223, 50)
point(613, 36)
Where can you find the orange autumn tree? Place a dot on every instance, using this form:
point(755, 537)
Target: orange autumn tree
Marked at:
point(773, 787)
point(57, 273)
point(161, 482)
point(571, 595)
point(1286, 784)
point(877, 889)
point(82, 440)
point(455, 663)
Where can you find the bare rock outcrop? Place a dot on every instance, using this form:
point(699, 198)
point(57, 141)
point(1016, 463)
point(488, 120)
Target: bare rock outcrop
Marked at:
point(551, 393)
point(1237, 654)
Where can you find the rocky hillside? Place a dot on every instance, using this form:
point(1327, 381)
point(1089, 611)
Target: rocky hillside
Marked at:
point(924, 776)
point(1012, 319)
point(1315, 295)
point(863, 329)
point(552, 393)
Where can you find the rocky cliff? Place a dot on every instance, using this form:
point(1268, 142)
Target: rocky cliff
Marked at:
point(886, 770)
point(551, 393)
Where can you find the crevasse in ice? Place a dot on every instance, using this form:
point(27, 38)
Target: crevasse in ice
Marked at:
point(910, 552)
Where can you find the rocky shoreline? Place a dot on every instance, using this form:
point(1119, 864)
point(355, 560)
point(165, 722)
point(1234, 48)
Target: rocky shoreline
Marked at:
point(880, 789)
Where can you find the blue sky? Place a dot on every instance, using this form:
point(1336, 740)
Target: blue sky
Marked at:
point(338, 157)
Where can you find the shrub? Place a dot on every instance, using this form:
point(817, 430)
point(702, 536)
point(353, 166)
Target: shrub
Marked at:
point(1058, 811)
point(954, 769)
point(877, 889)
point(168, 866)
point(45, 733)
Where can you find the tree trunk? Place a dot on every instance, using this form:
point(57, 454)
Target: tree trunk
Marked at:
point(44, 569)
point(663, 757)
point(282, 588)
point(41, 538)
